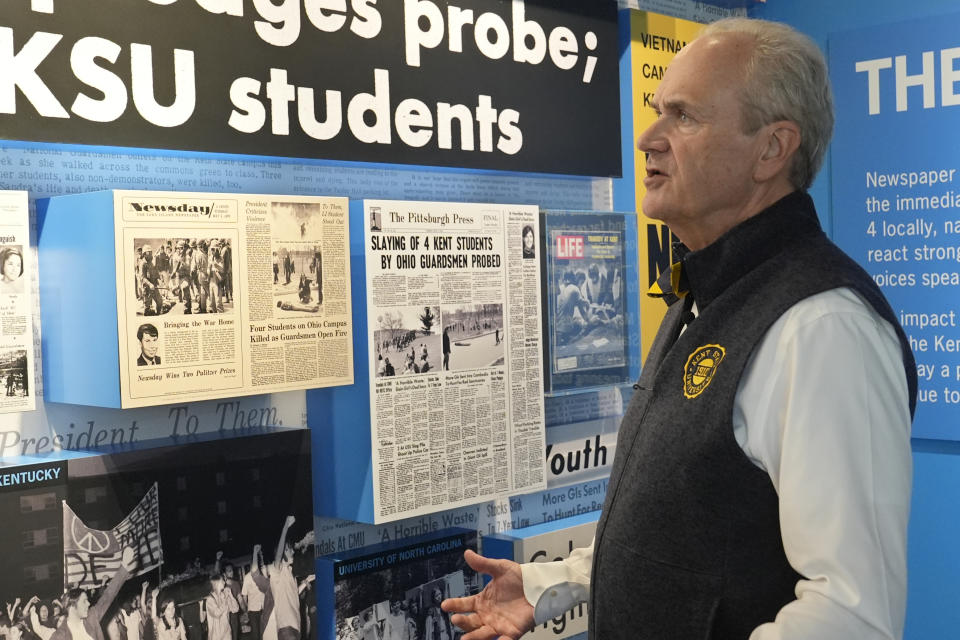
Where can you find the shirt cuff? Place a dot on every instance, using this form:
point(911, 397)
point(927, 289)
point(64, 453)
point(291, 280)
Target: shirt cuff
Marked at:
point(551, 589)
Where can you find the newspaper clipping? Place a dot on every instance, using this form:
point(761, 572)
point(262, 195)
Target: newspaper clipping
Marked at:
point(16, 305)
point(453, 303)
point(230, 294)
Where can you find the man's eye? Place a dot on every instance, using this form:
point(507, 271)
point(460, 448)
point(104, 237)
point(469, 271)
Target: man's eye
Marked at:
point(682, 116)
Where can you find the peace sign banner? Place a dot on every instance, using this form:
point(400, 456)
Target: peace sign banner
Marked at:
point(92, 556)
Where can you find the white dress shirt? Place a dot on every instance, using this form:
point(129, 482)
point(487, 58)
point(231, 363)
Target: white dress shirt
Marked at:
point(822, 408)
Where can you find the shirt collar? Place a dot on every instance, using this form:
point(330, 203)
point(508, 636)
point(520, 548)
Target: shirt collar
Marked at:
point(709, 271)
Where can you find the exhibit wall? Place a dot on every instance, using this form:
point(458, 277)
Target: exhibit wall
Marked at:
point(254, 152)
point(81, 112)
point(912, 135)
point(83, 71)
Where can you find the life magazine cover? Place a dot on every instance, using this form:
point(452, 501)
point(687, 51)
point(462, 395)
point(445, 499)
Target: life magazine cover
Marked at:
point(585, 287)
point(453, 317)
point(16, 305)
point(230, 294)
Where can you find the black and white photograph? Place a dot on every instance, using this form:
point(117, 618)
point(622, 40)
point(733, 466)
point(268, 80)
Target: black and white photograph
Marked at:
point(183, 275)
point(13, 373)
point(407, 341)
point(11, 268)
point(297, 276)
point(296, 258)
point(402, 602)
point(529, 240)
point(376, 221)
point(473, 336)
point(182, 542)
point(149, 338)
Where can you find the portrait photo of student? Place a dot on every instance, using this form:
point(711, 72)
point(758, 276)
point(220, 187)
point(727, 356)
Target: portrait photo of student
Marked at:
point(149, 339)
point(11, 269)
point(529, 242)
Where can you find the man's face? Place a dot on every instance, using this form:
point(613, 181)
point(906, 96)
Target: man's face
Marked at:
point(149, 345)
point(83, 605)
point(699, 162)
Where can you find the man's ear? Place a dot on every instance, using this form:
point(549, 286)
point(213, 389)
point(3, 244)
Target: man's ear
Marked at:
point(780, 141)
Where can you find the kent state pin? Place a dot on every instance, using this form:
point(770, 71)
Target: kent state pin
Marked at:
point(700, 369)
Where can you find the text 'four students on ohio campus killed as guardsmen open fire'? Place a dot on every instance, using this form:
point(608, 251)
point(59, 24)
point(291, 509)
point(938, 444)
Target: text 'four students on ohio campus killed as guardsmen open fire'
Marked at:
point(255, 102)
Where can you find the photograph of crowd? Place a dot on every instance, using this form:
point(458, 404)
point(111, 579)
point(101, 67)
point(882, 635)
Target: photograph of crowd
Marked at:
point(209, 541)
point(11, 268)
point(183, 275)
point(403, 602)
point(588, 329)
point(407, 341)
point(472, 336)
point(13, 372)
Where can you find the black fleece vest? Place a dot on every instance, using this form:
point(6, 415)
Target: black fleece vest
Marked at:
point(688, 546)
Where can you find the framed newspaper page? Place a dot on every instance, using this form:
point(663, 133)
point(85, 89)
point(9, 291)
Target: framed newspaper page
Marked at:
point(195, 296)
point(453, 354)
point(17, 304)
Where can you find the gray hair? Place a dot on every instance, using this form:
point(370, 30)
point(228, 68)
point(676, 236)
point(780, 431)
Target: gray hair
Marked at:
point(787, 79)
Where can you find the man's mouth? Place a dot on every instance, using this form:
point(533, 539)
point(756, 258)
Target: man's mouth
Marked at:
point(654, 177)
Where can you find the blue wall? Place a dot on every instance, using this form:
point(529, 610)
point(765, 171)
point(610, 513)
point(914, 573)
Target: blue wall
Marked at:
point(934, 590)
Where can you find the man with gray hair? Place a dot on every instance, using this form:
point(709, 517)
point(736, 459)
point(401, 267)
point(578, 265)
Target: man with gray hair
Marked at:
point(761, 484)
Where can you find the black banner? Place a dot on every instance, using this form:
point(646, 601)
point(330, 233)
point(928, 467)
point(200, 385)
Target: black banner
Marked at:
point(487, 84)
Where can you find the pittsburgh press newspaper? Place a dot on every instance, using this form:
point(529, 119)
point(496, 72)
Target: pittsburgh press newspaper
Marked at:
point(456, 390)
point(230, 294)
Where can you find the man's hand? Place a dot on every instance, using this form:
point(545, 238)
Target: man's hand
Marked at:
point(500, 609)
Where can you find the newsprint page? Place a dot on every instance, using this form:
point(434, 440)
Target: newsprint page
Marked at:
point(16, 305)
point(456, 391)
point(230, 294)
